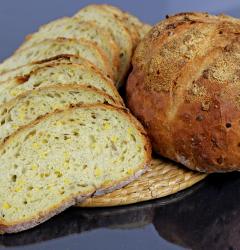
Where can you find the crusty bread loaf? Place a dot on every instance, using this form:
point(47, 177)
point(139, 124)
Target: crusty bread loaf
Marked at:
point(28, 68)
point(27, 107)
point(58, 73)
point(184, 87)
point(119, 32)
point(74, 28)
point(88, 150)
point(53, 47)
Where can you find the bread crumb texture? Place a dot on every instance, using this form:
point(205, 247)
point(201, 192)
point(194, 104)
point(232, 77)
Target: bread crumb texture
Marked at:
point(61, 74)
point(66, 155)
point(32, 104)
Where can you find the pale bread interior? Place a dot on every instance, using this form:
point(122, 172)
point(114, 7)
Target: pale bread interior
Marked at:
point(121, 36)
point(58, 74)
point(65, 156)
point(74, 28)
point(53, 47)
point(29, 67)
point(33, 104)
point(126, 19)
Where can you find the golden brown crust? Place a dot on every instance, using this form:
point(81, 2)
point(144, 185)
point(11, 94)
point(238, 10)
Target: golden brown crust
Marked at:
point(185, 88)
point(39, 218)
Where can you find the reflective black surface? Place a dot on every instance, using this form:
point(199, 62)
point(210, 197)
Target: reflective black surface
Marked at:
point(206, 216)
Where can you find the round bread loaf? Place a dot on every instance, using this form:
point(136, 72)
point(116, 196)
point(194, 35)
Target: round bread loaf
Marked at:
point(185, 88)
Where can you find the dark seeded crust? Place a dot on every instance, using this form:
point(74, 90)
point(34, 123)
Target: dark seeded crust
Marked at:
point(40, 218)
point(185, 88)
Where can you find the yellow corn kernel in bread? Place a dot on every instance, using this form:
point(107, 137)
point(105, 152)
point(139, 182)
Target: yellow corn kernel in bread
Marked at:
point(6, 205)
point(114, 138)
point(98, 172)
point(34, 167)
point(130, 172)
point(36, 145)
point(106, 125)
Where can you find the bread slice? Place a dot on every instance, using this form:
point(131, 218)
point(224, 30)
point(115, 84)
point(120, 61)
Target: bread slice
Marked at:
point(29, 106)
point(125, 18)
point(120, 15)
point(88, 150)
point(53, 47)
point(74, 28)
point(26, 69)
point(120, 34)
point(134, 24)
point(58, 73)
point(145, 29)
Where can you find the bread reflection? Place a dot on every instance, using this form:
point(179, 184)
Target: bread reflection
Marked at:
point(78, 220)
point(209, 219)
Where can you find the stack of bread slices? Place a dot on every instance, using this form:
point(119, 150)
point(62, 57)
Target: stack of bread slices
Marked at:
point(65, 133)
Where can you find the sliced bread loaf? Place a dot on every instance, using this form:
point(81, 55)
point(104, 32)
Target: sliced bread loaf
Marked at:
point(53, 47)
point(29, 106)
point(58, 73)
point(74, 28)
point(89, 150)
point(119, 32)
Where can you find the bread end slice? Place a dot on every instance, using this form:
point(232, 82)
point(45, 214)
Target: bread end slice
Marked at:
point(120, 154)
